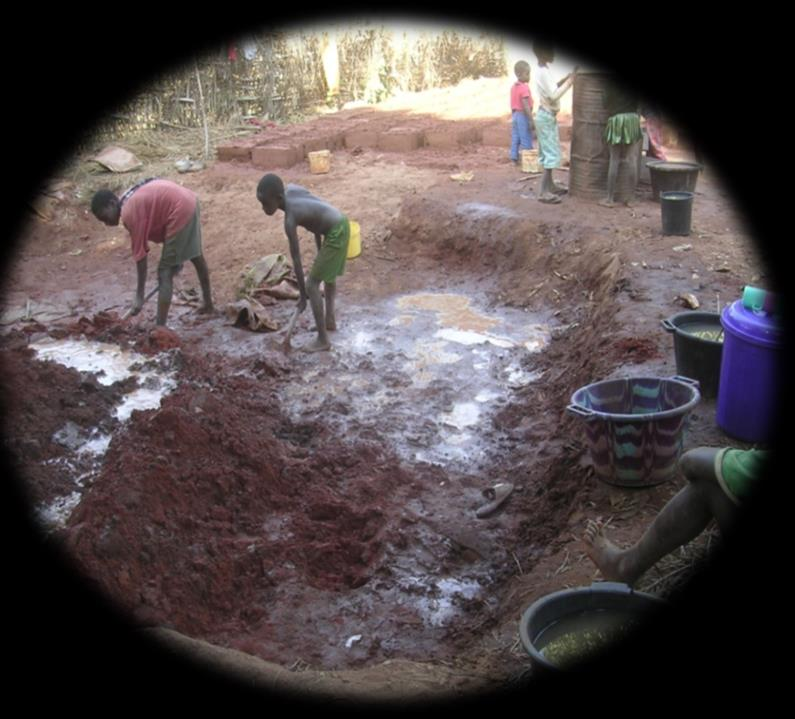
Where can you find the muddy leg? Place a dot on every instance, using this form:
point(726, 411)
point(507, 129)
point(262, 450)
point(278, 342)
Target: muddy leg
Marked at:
point(685, 516)
point(331, 293)
point(547, 191)
point(546, 182)
point(204, 279)
point(612, 176)
point(316, 302)
point(166, 276)
point(633, 153)
point(698, 466)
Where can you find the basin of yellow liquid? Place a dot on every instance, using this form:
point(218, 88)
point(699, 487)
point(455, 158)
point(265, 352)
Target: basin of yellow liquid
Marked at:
point(453, 310)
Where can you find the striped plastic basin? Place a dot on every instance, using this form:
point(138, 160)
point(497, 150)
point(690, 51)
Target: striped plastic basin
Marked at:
point(635, 426)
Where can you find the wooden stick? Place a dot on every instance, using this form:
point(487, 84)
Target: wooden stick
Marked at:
point(290, 328)
point(203, 113)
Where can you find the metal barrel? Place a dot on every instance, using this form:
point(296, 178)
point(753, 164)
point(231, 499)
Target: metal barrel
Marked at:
point(590, 157)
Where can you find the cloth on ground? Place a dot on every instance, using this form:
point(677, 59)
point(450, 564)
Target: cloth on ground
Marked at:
point(117, 159)
point(270, 275)
point(250, 314)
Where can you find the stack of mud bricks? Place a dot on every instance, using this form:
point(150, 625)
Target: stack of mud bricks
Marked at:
point(375, 135)
point(281, 149)
point(287, 146)
point(452, 136)
point(499, 134)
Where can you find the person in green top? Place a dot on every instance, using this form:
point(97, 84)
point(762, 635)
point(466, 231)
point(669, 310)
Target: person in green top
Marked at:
point(623, 137)
point(718, 481)
point(302, 209)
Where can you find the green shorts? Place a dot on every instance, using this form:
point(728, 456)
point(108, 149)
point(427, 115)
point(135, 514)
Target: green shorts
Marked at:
point(623, 129)
point(738, 471)
point(185, 245)
point(330, 261)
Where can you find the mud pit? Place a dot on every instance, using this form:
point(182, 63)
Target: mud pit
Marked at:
point(318, 511)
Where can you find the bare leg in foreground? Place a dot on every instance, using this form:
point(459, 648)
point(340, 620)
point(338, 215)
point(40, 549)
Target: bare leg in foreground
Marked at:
point(685, 516)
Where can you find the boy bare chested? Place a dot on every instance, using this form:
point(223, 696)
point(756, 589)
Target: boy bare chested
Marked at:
point(302, 209)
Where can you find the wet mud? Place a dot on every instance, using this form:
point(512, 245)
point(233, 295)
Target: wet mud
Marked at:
point(320, 511)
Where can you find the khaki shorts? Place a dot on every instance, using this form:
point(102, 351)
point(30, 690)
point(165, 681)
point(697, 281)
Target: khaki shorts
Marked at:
point(185, 245)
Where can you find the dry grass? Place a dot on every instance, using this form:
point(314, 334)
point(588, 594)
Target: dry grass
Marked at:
point(158, 150)
point(673, 572)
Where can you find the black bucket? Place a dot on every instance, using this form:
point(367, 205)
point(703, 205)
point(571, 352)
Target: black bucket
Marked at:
point(554, 614)
point(667, 176)
point(677, 210)
point(698, 357)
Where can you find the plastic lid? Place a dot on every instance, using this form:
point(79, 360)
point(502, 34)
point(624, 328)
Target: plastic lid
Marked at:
point(757, 327)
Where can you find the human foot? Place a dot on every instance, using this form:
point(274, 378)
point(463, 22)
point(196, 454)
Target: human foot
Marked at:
point(603, 553)
point(559, 189)
point(549, 198)
point(317, 346)
point(607, 203)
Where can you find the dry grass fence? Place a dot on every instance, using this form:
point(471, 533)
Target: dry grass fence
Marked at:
point(281, 76)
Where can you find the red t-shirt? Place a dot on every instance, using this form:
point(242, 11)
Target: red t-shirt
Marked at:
point(155, 213)
point(518, 91)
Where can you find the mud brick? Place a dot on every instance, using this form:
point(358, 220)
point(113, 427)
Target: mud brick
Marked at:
point(564, 132)
point(335, 139)
point(474, 134)
point(361, 138)
point(323, 142)
point(269, 156)
point(498, 135)
point(400, 140)
point(443, 139)
point(227, 153)
point(450, 138)
point(300, 149)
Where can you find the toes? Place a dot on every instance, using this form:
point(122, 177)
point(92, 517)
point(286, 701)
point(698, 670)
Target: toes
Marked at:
point(593, 529)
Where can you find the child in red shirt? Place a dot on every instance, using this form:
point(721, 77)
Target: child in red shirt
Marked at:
point(521, 111)
point(163, 212)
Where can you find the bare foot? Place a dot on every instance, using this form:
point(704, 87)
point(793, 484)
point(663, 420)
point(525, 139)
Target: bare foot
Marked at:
point(316, 346)
point(206, 310)
point(603, 553)
point(549, 199)
point(607, 203)
point(559, 189)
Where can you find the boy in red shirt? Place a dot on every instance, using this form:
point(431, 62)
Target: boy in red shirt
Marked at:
point(158, 211)
point(521, 111)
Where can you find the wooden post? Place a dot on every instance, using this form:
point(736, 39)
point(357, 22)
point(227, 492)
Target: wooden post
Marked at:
point(204, 114)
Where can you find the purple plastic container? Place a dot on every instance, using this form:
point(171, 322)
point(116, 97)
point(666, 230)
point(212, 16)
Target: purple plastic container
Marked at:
point(749, 376)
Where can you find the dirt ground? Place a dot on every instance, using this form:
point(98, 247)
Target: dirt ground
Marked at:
point(317, 511)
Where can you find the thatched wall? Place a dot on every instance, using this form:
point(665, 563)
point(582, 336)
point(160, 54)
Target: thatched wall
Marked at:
point(280, 76)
